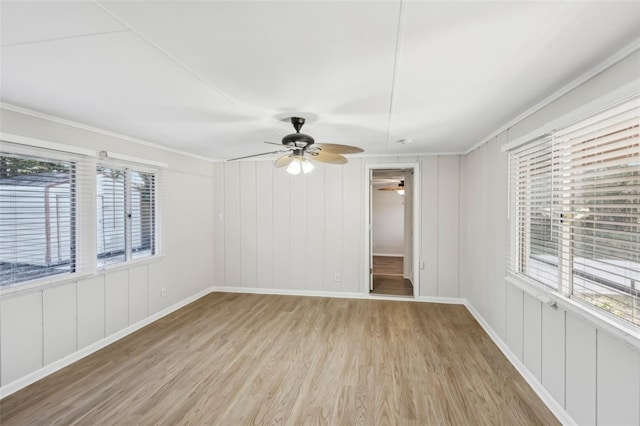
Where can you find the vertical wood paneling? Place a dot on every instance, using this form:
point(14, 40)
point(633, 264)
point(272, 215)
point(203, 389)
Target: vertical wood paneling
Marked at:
point(158, 279)
point(483, 239)
point(447, 223)
point(464, 280)
point(299, 226)
point(233, 254)
point(332, 226)
point(138, 293)
point(116, 301)
point(500, 206)
point(281, 230)
point(492, 218)
point(59, 322)
point(315, 230)
point(553, 353)
point(248, 223)
point(21, 347)
point(618, 383)
point(514, 320)
point(91, 312)
point(218, 224)
point(532, 330)
point(429, 228)
point(352, 214)
point(264, 224)
point(581, 371)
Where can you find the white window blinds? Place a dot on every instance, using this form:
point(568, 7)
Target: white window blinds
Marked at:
point(111, 208)
point(143, 217)
point(535, 249)
point(38, 201)
point(126, 218)
point(576, 211)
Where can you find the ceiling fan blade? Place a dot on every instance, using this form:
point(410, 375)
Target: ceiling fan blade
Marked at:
point(257, 155)
point(391, 188)
point(274, 143)
point(334, 148)
point(325, 157)
point(283, 161)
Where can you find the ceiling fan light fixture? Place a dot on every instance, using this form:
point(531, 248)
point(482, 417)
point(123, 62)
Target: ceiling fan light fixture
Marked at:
point(307, 165)
point(400, 191)
point(298, 165)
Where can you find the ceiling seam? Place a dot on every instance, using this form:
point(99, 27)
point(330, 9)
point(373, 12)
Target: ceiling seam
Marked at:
point(396, 60)
point(187, 68)
point(23, 43)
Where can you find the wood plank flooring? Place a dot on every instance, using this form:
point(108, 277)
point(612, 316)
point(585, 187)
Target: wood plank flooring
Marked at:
point(387, 265)
point(391, 285)
point(388, 277)
point(236, 359)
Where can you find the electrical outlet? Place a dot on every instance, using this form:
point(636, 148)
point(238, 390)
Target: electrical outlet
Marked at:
point(163, 291)
point(422, 264)
point(220, 217)
point(336, 277)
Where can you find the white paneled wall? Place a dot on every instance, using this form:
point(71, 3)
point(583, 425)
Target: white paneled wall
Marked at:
point(305, 232)
point(594, 376)
point(42, 326)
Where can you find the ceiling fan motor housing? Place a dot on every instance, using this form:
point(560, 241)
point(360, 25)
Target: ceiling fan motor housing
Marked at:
point(299, 140)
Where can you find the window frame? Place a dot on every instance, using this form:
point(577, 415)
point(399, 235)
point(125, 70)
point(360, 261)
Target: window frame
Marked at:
point(128, 167)
point(85, 209)
point(12, 146)
point(564, 294)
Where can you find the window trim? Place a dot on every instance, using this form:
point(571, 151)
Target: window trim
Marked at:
point(85, 233)
point(107, 160)
point(561, 297)
point(601, 320)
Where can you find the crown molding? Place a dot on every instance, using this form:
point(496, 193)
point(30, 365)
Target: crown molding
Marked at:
point(66, 122)
point(608, 63)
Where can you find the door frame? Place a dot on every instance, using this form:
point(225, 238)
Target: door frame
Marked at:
point(415, 267)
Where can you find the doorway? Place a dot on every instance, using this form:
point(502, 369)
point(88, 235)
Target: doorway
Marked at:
point(392, 232)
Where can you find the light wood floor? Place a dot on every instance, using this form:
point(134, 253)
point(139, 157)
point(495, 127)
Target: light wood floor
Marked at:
point(235, 359)
point(388, 265)
point(388, 277)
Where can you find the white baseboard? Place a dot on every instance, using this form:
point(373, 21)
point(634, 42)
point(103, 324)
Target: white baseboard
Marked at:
point(25, 381)
point(338, 294)
point(389, 254)
point(546, 397)
point(532, 380)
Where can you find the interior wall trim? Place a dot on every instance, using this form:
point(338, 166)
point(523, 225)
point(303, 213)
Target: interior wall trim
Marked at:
point(339, 295)
point(77, 125)
point(553, 405)
point(607, 63)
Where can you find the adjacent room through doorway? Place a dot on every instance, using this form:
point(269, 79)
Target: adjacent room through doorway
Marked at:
point(391, 239)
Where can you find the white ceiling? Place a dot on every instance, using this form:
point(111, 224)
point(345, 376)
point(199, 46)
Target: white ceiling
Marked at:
point(216, 78)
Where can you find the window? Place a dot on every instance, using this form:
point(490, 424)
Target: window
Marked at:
point(125, 214)
point(575, 209)
point(37, 218)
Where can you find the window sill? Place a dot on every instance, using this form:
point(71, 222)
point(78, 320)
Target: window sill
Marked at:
point(129, 264)
point(627, 333)
point(46, 283)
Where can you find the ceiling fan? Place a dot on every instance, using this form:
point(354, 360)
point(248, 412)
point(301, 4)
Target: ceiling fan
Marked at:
point(399, 189)
point(301, 148)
